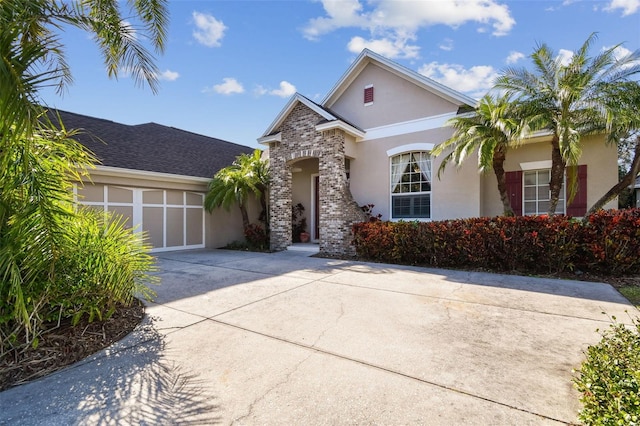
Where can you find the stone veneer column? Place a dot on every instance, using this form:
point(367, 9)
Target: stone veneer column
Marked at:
point(338, 210)
point(280, 199)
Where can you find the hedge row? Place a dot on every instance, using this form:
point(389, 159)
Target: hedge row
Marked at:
point(607, 242)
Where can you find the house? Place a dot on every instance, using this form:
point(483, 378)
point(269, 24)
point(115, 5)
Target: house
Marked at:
point(156, 176)
point(636, 187)
point(369, 142)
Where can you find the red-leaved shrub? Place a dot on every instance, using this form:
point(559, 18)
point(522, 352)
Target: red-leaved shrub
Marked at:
point(607, 242)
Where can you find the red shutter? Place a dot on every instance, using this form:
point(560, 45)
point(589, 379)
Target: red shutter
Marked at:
point(368, 95)
point(578, 206)
point(514, 190)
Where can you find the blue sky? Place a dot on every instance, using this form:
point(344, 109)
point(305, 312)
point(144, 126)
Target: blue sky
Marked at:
point(230, 66)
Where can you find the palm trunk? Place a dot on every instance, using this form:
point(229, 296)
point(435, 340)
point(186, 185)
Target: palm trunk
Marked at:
point(499, 155)
point(245, 216)
point(625, 182)
point(558, 166)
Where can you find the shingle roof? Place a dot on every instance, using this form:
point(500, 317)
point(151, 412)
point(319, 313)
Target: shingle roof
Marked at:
point(152, 147)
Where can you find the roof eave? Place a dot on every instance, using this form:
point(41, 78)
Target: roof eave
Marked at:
point(341, 125)
point(266, 140)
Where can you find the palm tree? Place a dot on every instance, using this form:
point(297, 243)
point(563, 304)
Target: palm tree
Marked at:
point(569, 100)
point(247, 175)
point(32, 53)
point(624, 124)
point(38, 160)
point(491, 129)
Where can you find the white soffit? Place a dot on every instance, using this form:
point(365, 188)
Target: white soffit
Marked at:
point(419, 125)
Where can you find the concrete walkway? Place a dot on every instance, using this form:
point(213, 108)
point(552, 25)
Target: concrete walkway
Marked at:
point(284, 339)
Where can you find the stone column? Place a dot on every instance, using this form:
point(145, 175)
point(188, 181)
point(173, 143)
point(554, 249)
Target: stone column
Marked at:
point(280, 201)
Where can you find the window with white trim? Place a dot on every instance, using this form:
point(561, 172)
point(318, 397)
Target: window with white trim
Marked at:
point(537, 193)
point(411, 185)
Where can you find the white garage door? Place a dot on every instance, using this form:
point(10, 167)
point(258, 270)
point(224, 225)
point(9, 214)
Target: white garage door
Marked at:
point(172, 219)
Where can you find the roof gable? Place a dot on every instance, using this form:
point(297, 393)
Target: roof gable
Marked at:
point(367, 56)
point(331, 120)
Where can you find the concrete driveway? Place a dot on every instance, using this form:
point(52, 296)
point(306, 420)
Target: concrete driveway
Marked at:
point(254, 338)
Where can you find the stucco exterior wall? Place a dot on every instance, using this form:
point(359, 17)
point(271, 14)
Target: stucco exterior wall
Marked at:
point(602, 170)
point(395, 100)
point(455, 195)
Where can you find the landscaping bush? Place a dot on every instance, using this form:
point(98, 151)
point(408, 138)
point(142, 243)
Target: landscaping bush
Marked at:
point(256, 237)
point(103, 266)
point(609, 379)
point(607, 242)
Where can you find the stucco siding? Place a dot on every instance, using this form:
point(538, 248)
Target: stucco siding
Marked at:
point(600, 158)
point(395, 100)
point(455, 195)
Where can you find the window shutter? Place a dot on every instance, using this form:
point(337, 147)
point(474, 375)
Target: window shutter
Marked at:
point(514, 190)
point(578, 206)
point(368, 95)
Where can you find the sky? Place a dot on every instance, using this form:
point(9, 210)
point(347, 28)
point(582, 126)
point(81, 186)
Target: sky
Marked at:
point(229, 67)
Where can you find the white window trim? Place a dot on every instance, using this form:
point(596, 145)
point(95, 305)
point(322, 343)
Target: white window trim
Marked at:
point(424, 147)
point(536, 165)
point(563, 210)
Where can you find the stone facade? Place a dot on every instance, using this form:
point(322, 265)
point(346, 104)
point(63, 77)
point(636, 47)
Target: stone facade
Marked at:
point(338, 211)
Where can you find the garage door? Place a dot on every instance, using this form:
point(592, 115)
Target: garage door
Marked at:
point(172, 219)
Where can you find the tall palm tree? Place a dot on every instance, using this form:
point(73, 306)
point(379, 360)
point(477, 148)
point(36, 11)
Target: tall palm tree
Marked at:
point(491, 129)
point(569, 100)
point(624, 124)
point(233, 184)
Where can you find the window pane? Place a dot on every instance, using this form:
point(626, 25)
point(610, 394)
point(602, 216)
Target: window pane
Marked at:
point(530, 178)
point(530, 193)
point(543, 192)
point(543, 207)
point(530, 207)
point(544, 177)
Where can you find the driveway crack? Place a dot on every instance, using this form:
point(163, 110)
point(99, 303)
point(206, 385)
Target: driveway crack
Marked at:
point(271, 389)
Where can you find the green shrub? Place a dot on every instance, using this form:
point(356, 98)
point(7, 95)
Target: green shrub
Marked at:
point(608, 242)
point(103, 265)
point(609, 379)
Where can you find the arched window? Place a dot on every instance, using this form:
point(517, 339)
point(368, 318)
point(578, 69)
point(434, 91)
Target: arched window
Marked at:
point(411, 185)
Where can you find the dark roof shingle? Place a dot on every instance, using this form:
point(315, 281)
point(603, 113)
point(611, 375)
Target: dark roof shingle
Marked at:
point(152, 147)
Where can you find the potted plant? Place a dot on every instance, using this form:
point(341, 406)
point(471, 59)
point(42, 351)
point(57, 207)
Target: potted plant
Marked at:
point(298, 223)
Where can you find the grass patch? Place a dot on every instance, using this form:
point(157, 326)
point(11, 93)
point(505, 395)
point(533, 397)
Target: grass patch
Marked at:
point(632, 293)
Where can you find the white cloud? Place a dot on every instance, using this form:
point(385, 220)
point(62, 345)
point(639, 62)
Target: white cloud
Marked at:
point(619, 52)
point(447, 45)
point(514, 57)
point(629, 7)
point(475, 81)
point(209, 31)
point(565, 56)
point(168, 75)
point(285, 90)
point(393, 19)
point(260, 90)
point(229, 86)
point(398, 48)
